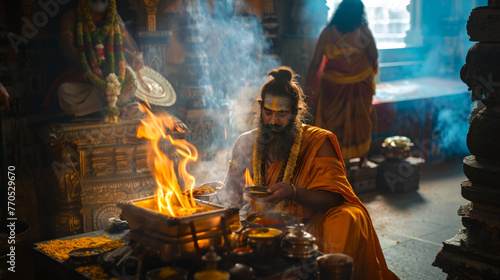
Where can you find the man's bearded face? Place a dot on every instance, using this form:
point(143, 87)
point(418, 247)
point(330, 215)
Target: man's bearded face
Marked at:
point(277, 126)
point(98, 6)
point(276, 112)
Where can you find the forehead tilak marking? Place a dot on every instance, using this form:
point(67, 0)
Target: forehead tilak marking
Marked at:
point(277, 104)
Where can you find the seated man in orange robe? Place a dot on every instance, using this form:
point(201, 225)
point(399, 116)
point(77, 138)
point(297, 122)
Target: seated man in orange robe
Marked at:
point(303, 166)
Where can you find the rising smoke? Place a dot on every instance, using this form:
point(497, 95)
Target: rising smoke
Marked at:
point(452, 126)
point(239, 59)
point(238, 63)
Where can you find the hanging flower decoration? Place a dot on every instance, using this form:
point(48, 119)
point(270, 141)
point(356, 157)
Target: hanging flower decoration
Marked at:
point(100, 49)
point(113, 85)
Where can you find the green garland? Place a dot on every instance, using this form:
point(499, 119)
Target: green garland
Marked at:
point(98, 61)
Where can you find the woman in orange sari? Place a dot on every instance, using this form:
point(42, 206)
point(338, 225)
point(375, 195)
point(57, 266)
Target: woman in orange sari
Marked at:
point(343, 100)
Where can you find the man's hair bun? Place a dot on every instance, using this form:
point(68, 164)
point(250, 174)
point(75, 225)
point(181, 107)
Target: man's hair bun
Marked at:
point(284, 84)
point(282, 73)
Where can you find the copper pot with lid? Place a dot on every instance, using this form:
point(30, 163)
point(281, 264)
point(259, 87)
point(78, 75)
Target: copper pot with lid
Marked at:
point(298, 243)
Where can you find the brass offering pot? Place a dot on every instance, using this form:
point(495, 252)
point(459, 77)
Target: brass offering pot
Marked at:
point(298, 243)
point(261, 240)
point(397, 147)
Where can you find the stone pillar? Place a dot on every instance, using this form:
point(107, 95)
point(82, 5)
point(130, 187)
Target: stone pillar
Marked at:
point(67, 219)
point(307, 19)
point(270, 25)
point(152, 42)
point(151, 8)
point(154, 45)
point(196, 85)
point(474, 253)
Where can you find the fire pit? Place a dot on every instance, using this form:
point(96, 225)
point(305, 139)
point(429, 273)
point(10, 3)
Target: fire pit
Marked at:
point(178, 237)
point(173, 222)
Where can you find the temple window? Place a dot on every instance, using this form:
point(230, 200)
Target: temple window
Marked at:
point(418, 38)
point(388, 20)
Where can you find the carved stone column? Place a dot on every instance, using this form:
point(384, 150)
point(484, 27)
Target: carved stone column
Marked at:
point(151, 42)
point(68, 220)
point(270, 25)
point(474, 253)
point(28, 8)
point(308, 17)
point(154, 46)
point(196, 84)
point(151, 7)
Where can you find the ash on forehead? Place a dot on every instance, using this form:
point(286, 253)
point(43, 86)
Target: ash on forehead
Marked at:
point(277, 103)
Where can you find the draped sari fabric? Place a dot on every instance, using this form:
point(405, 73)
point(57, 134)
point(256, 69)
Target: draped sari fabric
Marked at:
point(344, 101)
point(343, 229)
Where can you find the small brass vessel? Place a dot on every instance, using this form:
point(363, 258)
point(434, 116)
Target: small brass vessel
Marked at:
point(298, 243)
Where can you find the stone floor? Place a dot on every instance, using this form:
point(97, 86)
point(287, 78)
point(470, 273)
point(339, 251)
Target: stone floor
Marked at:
point(412, 226)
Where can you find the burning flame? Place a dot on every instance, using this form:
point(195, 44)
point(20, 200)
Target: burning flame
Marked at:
point(170, 198)
point(225, 134)
point(248, 179)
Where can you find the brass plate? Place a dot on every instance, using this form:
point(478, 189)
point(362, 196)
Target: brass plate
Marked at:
point(161, 91)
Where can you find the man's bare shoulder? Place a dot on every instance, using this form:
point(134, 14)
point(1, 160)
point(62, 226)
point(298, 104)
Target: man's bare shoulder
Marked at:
point(247, 136)
point(243, 148)
point(245, 139)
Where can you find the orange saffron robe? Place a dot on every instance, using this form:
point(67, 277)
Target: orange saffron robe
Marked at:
point(343, 229)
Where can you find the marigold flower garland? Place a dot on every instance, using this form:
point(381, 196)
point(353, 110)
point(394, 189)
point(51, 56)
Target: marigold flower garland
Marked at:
point(100, 62)
point(258, 172)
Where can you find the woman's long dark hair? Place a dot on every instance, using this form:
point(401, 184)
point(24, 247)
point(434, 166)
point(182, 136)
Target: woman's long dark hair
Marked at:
point(350, 14)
